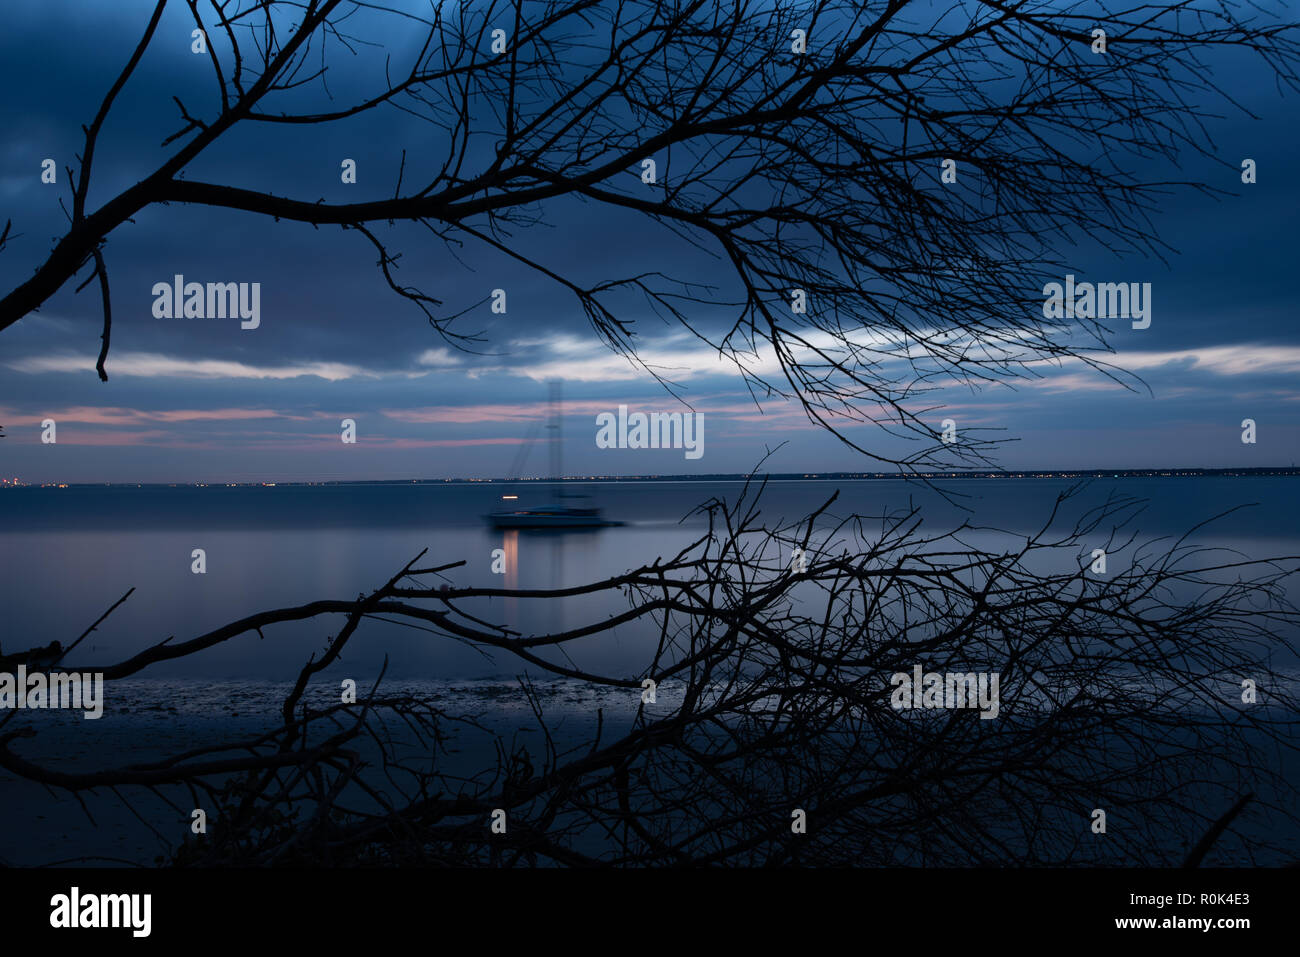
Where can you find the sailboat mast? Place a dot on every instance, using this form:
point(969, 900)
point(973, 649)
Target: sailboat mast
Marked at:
point(556, 411)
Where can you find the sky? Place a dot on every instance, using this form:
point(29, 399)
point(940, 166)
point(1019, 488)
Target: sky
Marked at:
point(204, 401)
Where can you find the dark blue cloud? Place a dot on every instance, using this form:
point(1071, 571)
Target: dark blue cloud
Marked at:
point(1226, 283)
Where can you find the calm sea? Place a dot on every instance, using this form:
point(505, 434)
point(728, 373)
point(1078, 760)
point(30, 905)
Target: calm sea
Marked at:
point(67, 554)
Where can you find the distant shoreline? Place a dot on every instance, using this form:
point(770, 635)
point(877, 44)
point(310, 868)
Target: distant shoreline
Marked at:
point(1275, 471)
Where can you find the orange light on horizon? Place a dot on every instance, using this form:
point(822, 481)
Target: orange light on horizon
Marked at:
point(509, 497)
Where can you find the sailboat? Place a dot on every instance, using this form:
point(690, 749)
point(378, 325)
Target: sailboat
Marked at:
point(558, 514)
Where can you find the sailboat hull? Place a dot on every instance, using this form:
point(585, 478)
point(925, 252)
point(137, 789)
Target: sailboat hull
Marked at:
point(559, 516)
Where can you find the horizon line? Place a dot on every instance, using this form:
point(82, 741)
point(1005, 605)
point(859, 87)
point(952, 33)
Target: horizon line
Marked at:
point(837, 475)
